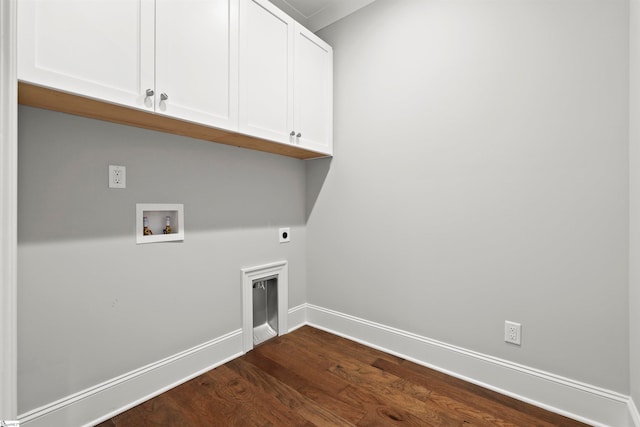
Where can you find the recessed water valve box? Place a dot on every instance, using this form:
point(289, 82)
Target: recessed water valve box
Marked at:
point(159, 222)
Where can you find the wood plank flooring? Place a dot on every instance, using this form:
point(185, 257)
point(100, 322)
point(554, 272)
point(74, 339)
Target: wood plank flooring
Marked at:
point(312, 378)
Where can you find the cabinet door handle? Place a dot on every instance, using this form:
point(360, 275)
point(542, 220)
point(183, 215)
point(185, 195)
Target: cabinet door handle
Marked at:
point(164, 96)
point(150, 92)
point(298, 135)
point(293, 133)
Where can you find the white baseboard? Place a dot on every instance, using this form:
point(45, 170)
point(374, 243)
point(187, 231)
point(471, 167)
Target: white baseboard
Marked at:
point(103, 401)
point(634, 414)
point(297, 317)
point(583, 402)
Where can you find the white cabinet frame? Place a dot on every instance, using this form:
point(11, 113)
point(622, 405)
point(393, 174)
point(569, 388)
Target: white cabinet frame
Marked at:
point(8, 211)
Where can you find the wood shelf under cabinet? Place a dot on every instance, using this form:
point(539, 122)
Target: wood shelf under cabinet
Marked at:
point(50, 99)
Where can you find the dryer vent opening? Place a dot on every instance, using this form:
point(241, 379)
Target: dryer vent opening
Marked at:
point(265, 303)
point(265, 309)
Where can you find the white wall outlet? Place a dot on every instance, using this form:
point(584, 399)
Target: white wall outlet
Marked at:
point(284, 235)
point(512, 332)
point(117, 176)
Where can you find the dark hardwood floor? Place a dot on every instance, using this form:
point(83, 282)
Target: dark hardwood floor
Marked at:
point(312, 378)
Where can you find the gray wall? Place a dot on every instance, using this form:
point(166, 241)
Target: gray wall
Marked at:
point(481, 175)
point(634, 163)
point(94, 305)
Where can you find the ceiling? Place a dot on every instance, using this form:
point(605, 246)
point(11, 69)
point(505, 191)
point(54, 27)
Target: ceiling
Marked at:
point(317, 14)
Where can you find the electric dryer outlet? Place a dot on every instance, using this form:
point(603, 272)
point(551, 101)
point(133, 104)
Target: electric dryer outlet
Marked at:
point(284, 235)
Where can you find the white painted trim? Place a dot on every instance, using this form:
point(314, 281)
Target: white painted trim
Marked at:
point(574, 399)
point(8, 209)
point(280, 269)
point(287, 8)
point(297, 317)
point(333, 13)
point(326, 16)
point(103, 401)
point(634, 414)
point(583, 402)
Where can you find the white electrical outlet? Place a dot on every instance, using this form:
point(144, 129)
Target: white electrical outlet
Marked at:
point(117, 176)
point(512, 332)
point(284, 235)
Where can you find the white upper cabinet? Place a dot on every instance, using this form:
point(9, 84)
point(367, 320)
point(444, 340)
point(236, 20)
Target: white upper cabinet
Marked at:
point(196, 61)
point(286, 79)
point(242, 66)
point(101, 49)
point(266, 71)
point(313, 92)
point(177, 58)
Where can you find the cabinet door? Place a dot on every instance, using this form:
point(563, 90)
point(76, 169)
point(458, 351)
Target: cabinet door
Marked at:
point(196, 61)
point(266, 71)
point(313, 76)
point(100, 48)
